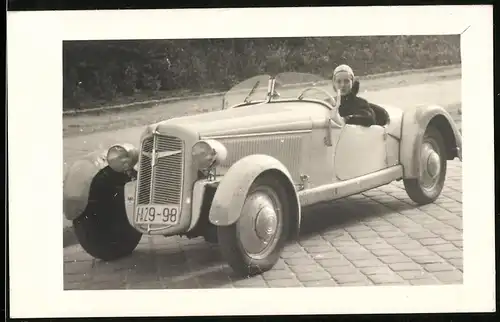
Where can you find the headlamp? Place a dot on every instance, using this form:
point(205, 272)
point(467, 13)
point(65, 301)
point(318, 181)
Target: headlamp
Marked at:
point(208, 153)
point(122, 157)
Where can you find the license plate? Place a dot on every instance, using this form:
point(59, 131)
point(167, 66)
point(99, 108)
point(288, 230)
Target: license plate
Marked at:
point(157, 214)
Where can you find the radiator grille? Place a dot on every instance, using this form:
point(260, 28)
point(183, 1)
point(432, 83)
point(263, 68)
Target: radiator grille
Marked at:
point(145, 173)
point(162, 183)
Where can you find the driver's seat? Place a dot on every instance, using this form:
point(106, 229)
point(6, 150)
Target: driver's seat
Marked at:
point(381, 115)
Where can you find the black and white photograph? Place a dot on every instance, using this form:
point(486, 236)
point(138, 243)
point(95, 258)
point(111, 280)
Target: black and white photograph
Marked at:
point(246, 132)
point(269, 159)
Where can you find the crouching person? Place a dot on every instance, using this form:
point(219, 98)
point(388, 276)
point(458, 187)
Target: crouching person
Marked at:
point(354, 109)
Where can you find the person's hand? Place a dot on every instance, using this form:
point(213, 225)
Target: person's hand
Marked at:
point(359, 119)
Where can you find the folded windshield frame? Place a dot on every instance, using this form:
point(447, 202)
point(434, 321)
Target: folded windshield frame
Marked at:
point(272, 82)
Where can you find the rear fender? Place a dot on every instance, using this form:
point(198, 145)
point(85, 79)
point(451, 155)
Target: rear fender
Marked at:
point(415, 122)
point(233, 188)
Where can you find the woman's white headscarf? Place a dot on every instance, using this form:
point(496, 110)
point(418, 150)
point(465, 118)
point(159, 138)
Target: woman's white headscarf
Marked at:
point(345, 69)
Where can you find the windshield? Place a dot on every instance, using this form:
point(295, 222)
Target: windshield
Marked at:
point(291, 85)
point(253, 89)
point(288, 85)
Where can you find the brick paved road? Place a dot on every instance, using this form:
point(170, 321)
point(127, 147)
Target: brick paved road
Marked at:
point(377, 238)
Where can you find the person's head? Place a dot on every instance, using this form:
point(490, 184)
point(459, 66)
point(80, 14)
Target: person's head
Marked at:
point(343, 79)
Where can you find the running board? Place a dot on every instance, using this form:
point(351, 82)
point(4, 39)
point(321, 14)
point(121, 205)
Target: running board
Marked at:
point(350, 187)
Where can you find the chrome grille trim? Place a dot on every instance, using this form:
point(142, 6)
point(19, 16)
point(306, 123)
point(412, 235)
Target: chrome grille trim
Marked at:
point(144, 178)
point(161, 184)
point(167, 143)
point(168, 180)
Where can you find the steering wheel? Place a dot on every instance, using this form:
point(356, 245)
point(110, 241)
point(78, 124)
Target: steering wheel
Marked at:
point(335, 111)
point(316, 89)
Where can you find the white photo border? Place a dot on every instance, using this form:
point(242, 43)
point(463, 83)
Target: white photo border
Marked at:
point(34, 57)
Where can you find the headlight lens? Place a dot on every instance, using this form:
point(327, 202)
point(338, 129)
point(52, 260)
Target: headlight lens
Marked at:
point(208, 153)
point(122, 158)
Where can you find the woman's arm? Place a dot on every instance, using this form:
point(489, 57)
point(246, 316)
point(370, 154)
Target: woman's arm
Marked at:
point(361, 114)
point(368, 111)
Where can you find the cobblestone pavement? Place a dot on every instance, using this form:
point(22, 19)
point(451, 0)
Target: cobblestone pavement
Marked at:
point(375, 238)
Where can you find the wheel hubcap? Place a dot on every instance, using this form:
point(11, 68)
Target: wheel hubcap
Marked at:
point(266, 223)
point(260, 221)
point(431, 166)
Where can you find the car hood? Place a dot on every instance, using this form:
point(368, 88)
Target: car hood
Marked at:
point(243, 120)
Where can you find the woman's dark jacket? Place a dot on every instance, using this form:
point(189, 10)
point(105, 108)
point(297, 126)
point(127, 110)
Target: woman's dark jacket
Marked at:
point(356, 109)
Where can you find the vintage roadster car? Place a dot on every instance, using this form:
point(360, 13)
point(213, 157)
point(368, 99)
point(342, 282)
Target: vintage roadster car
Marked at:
point(239, 176)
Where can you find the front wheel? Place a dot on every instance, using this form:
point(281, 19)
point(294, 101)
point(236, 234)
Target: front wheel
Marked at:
point(254, 243)
point(103, 229)
point(428, 186)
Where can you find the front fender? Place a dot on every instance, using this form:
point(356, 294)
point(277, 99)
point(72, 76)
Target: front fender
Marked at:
point(415, 122)
point(77, 181)
point(232, 189)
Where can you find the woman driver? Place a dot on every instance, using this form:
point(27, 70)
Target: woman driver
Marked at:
point(354, 109)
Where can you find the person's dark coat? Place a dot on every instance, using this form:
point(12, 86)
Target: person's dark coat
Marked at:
point(356, 110)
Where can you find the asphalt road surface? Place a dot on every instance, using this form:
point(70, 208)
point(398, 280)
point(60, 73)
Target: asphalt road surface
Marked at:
point(376, 238)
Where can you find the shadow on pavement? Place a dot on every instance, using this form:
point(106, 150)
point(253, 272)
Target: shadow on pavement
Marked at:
point(198, 264)
point(176, 267)
point(338, 214)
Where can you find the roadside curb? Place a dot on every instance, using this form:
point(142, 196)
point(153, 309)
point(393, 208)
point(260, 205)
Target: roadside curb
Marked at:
point(191, 97)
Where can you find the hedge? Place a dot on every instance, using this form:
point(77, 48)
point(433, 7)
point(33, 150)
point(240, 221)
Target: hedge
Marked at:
point(102, 72)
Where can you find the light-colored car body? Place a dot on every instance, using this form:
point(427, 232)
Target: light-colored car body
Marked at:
point(315, 155)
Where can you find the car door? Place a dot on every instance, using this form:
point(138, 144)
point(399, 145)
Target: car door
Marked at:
point(360, 150)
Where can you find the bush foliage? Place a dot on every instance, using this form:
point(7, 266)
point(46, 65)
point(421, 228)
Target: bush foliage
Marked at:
point(101, 72)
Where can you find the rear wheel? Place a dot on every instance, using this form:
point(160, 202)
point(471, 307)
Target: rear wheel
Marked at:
point(427, 187)
point(254, 243)
point(103, 229)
